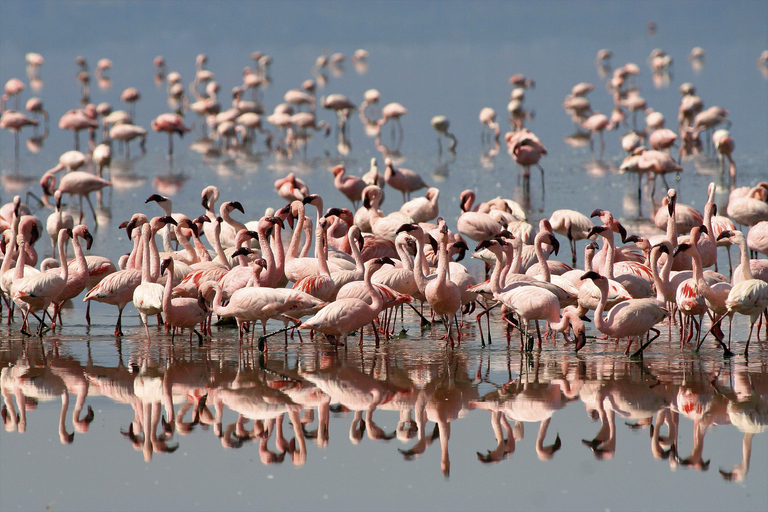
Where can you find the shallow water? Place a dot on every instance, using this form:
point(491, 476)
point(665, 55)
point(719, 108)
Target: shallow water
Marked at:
point(443, 429)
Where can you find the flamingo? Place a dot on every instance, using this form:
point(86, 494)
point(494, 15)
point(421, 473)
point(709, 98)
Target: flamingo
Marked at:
point(36, 292)
point(170, 123)
point(757, 237)
point(15, 121)
point(291, 188)
point(339, 318)
point(443, 295)
point(572, 224)
point(631, 318)
point(182, 312)
point(475, 225)
point(117, 288)
point(404, 180)
point(527, 150)
point(78, 274)
point(350, 186)
point(724, 146)
point(596, 123)
point(393, 111)
point(57, 221)
point(126, 132)
point(78, 120)
point(78, 183)
point(749, 296)
point(488, 120)
point(441, 125)
point(383, 226)
point(750, 209)
point(423, 209)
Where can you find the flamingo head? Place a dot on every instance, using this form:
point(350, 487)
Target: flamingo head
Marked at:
point(167, 262)
point(277, 221)
point(554, 243)
point(461, 246)
point(680, 248)
point(596, 230)
point(725, 234)
point(592, 275)
point(158, 198)
point(242, 251)
point(338, 170)
point(386, 260)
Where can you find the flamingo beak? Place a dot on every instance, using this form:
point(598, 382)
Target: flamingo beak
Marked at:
point(88, 240)
point(581, 340)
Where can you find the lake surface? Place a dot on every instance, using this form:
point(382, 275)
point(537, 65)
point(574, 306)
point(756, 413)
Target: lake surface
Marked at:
point(409, 424)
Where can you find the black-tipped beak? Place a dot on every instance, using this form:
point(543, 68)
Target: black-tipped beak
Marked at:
point(309, 198)
point(484, 245)
point(205, 202)
point(157, 198)
point(164, 265)
point(237, 206)
point(405, 227)
point(680, 248)
point(581, 340)
point(725, 234)
point(242, 251)
point(88, 240)
point(254, 235)
point(703, 229)
point(555, 244)
point(276, 221)
point(333, 212)
point(432, 242)
point(596, 213)
point(595, 230)
point(386, 260)
point(591, 275)
point(622, 232)
point(169, 220)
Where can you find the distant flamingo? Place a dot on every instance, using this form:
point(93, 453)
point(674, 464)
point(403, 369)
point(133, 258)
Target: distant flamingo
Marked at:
point(350, 186)
point(488, 120)
point(15, 121)
point(572, 224)
point(57, 221)
point(170, 123)
point(404, 180)
point(527, 150)
point(423, 209)
point(393, 111)
point(125, 133)
point(441, 125)
point(78, 183)
point(596, 123)
point(78, 120)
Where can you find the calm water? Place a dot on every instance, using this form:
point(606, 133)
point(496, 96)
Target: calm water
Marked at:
point(407, 425)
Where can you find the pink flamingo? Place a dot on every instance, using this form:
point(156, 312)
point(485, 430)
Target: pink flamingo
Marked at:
point(572, 224)
point(404, 180)
point(393, 111)
point(117, 287)
point(596, 123)
point(182, 312)
point(148, 295)
point(757, 237)
point(15, 121)
point(291, 188)
point(748, 296)
point(423, 209)
point(78, 120)
point(57, 221)
point(339, 318)
point(724, 146)
point(78, 273)
point(126, 132)
point(751, 209)
point(475, 225)
point(350, 186)
point(170, 123)
point(631, 318)
point(527, 150)
point(488, 120)
point(78, 183)
point(35, 293)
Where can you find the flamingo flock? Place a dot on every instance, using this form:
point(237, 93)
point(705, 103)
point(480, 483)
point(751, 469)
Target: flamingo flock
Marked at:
point(366, 262)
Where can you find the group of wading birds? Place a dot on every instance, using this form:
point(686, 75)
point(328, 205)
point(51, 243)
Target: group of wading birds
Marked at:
point(366, 262)
point(363, 268)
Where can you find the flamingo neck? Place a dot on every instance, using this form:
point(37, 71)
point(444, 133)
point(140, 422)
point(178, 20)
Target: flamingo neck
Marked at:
point(192, 254)
point(658, 282)
point(540, 256)
point(610, 256)
point(167, 302)
point(64, 268)
point(600, 323)
point(293, 247)
point(356, 254)
point(418, 267)
point(320, 250)
point(146, 233)
point(220, 256)
point(267, 254)
point(402, 252)
point(377, 301)
point(443, 268)
point(496, 275)
point(746, 270)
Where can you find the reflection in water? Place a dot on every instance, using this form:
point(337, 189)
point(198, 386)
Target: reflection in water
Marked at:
point(169, 392)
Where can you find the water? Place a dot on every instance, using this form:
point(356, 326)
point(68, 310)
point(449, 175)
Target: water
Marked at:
point(434, 58)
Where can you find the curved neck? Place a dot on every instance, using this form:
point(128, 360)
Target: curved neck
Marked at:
point(167, 303)
point(672, 229)
point(266, 253)
point(279, 266)
point(184, 241)
point(746, 270)
point(402, 252)
point(657, 280)
point(320, 251)
point(540, 256)
point(134, 258)
point(418, 267)
point(443, 268)
point(496, 275)
point(229, 220)
point(359, 263)
point(146, 233)
point(293, 247)
point(220, 256)
point(610, 255)
point(64, 269)
point(377, 301)
point(600, 323)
